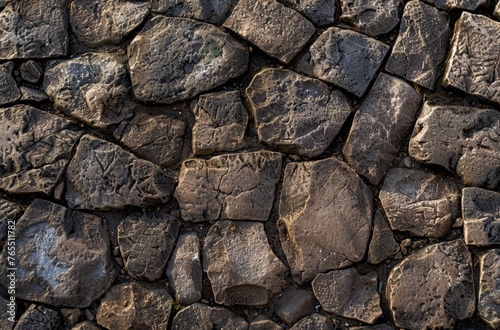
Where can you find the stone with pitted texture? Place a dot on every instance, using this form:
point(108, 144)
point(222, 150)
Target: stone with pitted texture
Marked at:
point(470, 5)
point(320, 12)
point(39, 317)
point(481, 216)
point(200, 317)
point(382, 245)
point(31, 71)
point(293, 305)
point(488, 305)
point(9, 211)
point(9, 92)
point(209, 11)
point(316, 322)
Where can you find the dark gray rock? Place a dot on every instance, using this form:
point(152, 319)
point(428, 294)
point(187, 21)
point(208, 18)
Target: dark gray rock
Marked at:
point(8, 313)
point(86, 325)
point(214, 12)
point(39, 317)
point(233, 186)
point(316, 197)
point(174, 59)
point(103, 176)
point(279, 31)
point(31, 71)
point(314, 322)
point(57, 250)
point(382, 245)
point(92, 87)
point(474, 56)
point(320, 12)
point(380, 126)
point(29, 94)
point(488, 305)
point(9, 92)
point(420, 49)
point(344, 58)
point(373, 327)
point(294, 113)
point(470, 5)
point(34, 147)
point(293, 305)
point(433, 287)
point(481, 216)
point(9, 211)
point(201, 317)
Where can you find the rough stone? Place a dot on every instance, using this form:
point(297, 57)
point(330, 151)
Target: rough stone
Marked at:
point(279, 31)
point(433, 287)
point(29, 94)
point(174, 59)
point(241, 265)
point(214, 12)
point(488, 305)
point(39, 317)
point(6, 311)
point(233, 186)
point(382, 245)
point(9, 211)
point(103, 176)
point(135, 305)
point(474, 57)
point(294, 113)
point(9, 92)
point(314, 322)
point(184, 269)
point(34, 29)
point(221, 121)
point(316, 200)
point(293, 305)
point(373, 327)
point(86, 325)
point(70, 316)
point(380, 126)
point(264, 325)
point(200, 317)
point(320, 12)
point(481, 216)
point(34, 147)
point(57, 250)
point(344, 58)
point(96, 23)
point(462, 140)
point(31, 71)
point(92, 87)
point(471, 5)
point(496, 12)
point(421, 46)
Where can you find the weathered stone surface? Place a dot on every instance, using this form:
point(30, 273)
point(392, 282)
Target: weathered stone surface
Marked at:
point(421, 46)
point(474, 56)
point(458, 4)
point(135, 305)
point(294, 113)
point(481, 216)
point(433, 287)
point(8, 313)
point(96, 23)
point(9, 92)
point(34, 29)
point(39, 317)
point(57, 250)
point(264, 325)
point(316, 200)
point(372, 17)
point(92, 87)
point(382, 245)
point(380, 126)
point(241, 265)
point(200, 317)
point(9, 211)
point(31, 71)
point(34, 146)
point(293, 305)
point(86, 325)
point(344, 58)
point(320, 12)
point(279, 31)
point(496, 12)
point(221, 121)
point(29, 94)
point(461, 139)
point(233, 186)
point(314, 322)
point(373, 327)
point(174, 59)
point(103, 176)
point(488, 305)
point(202, 10)
point(184, 269)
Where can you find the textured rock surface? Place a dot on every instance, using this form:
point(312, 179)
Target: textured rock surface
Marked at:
point(458, 4)
point(488, 305)
point(433, 287)
point(233, 186)
point(293, 305)
point(382, 244)
point(421, 46)
point(204, 58)
point(380, 127)
point(200, 317)
point(9, 92)
point(320, 12)
point(8, 312)
point(57, 250)
point(315, 321)
point(294, 113)
point(344, 58)
point(103, 176)
point(316, 199)
point(29, 94)
point(279, 31)
point(9, 211)
point(39, 317)
point(474, 56)
point(31, 71)
point(481, 216)
point(496, 12)
point(202, 10)
point(86, 325)
point(264, 325)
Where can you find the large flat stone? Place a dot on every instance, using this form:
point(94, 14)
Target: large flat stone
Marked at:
point(200, 317)
point(9, 92)
point(488, 305)
point(470, 5)
point(320, 12)
point(209, 11)
point(481, 216)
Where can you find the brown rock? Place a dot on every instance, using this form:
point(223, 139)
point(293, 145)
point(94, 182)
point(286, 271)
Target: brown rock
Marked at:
point(315, 321)
point(488, 305)
point(382, 244)
point(264, 325)
point(470, 5)
point(200, 317)
point(86, 325)
point(39, 317)
point(9, 212)
point(481, 216)
point(9, 92)
point(293, 305)
point(209, 11)
point(31, 71)
point(320, 12)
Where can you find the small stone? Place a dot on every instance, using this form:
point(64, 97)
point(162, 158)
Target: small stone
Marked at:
point(382, 245)
point(496, 12)
point(407, 162)
point(264, 325)
point(470, 5)
point(31, 71)
point(294, 113)
point(214, 12)
point(293, 305)
point(314, 322)
point(29, 94)
point(344, 58)
point(89, 314)
point(86, 325)
point(7, 312)
point(9, 212)
point(488, 305)
point(481, 216)
point(9, 92)
point(320, 12)
point(59, 191)
point(279, 31)
point(70, 315)
point(380, 127)
point(200, 317)
point(39, 317)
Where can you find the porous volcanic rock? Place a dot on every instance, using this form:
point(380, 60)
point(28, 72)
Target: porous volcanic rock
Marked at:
point(488, 305)
point(9, 92)
point(481, 216)
point(200, 317)
point(470, 5)
point(202, 10)
point(39, 317)
point(320, 12)
point(382, 244)
point(315, 321)
point(9, 211)
point(293, 305)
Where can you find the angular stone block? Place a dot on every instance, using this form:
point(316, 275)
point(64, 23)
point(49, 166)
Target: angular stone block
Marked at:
point(481, 216)
point(488, 305)
point(382, 244)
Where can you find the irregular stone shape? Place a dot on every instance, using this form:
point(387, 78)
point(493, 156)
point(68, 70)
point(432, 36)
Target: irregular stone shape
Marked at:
point(433, 287)
point(488, 305)
point(372, 17)
point(421, 46)
point(320, 12)
point(481, 216)
point(293, 305)
point(264, 325)
point(221, 121)
point(8, 313)
point(382, 244)
point(380, 126)
point(214, 12)
point(9, 92)
point(135, 305)
point(373, 327)
point(184, 269)
point(92, 87)
point(316, 200)
point(34, 147)
point(294, 113)
point(241, 265)
point(146, 244)
point(200, 317)
point(344, 58)
point(29, 94)
point(315, 321)
point(474, 56)
point(471, 5)
point(9, 211)
point(279, 31)
point(103, 176)
point(97, 23)
point(461, 139)
point(34, 29)
point(174, 59)
point(496, 12)
point(86, 325)
point(57, 250)
point(158, 139)
point(39, 317)
point(232, 186)
point(31, 71)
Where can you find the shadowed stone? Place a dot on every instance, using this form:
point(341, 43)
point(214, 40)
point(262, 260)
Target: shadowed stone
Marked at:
point(382, 244)
point(293, 305)
point(481, 216)
point(315, 321)
point(373, 327)
point(86, 325)
point(471, 5)
point(29, 94)
point(200, 317)
point(264, 325)
point(320, 12)
point(31, 71)
point(39, 317)
point(488, 305)
point(8, 313)
point(9, 92)
point(209, 11)
point(9, 211)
